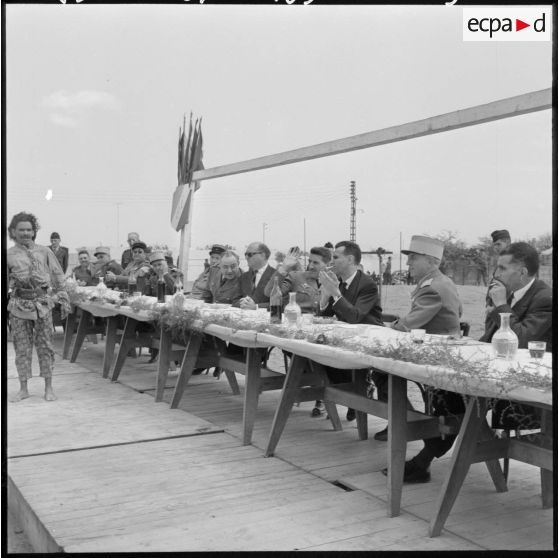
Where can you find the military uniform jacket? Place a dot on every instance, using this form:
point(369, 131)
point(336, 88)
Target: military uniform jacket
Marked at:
point(360, 304)
point(257, 294)
point(221, 291)
point(305, 287)
point(435, 306)
point(531, 316)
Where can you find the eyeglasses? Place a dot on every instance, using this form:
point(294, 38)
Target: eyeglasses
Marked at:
point(250, 254)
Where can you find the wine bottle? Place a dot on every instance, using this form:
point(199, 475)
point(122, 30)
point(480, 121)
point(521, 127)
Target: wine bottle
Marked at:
point(161, 289)
point(276, 302)
point(132, 283)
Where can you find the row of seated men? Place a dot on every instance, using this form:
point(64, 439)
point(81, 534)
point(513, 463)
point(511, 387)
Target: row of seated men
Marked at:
point(334, 284)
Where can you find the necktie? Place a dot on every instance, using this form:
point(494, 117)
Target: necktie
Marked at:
point(510, 299)
point(254, 275)
point(343, 287)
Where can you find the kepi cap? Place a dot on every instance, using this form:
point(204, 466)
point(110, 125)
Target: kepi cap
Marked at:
point(156, 256)
point(101, 250)
point(499, 235)
point(54, 235)
point(140, 244)
point(426, 246)
point(217, 249)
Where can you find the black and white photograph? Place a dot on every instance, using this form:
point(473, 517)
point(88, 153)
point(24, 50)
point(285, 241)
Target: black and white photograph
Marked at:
point(277, 277)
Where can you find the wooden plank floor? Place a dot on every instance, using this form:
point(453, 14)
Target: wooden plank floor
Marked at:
point(98, 485)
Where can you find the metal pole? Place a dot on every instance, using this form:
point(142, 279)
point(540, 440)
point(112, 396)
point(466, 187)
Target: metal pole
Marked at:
point(400, 248)
point(304, 250)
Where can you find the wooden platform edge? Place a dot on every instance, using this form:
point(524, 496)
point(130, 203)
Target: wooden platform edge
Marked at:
point(39, 536)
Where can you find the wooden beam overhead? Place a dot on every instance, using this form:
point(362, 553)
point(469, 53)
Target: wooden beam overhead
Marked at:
point(503, 108)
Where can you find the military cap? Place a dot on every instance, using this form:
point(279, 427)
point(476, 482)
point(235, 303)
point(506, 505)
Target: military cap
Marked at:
point(54, 235)
point(499, 235)
point(217, 249)
point(156, 256)
point(140, 244)
point(101, 250)
point(426, 246)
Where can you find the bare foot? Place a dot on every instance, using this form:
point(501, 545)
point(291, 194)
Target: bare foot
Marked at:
point(49, 395)
point(19, 396)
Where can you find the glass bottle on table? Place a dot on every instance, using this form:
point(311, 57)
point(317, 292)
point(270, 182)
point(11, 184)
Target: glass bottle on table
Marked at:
point(505, 341)
point(276, 302)
point(160, 288)
point(292, 312)
point(132, 283)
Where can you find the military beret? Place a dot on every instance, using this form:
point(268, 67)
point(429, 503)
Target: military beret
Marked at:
point(217, 249)
point(140, 244)
point(499, 235)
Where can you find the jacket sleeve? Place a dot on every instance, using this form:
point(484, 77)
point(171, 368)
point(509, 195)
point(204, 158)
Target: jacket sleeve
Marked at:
point(535, 324)
point(355, 313)
point(55, 270)
point(425, 306)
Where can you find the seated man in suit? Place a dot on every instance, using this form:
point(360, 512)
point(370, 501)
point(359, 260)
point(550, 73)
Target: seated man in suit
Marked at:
point(254, 281)
point(224, 287)
point(349, 294)
point(435, 307)
point(515, 289)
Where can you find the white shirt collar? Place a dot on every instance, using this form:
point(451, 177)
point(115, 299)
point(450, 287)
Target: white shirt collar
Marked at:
point(520, 293)
point(349, 280)
point(259, 274)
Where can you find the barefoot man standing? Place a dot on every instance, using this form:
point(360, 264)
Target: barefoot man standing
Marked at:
point(37, 282)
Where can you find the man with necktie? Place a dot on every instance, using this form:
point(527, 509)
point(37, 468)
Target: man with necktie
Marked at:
point(254, 281)
point(349, 294)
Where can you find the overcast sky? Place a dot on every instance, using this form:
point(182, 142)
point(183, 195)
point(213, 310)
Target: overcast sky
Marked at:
point(96, 94)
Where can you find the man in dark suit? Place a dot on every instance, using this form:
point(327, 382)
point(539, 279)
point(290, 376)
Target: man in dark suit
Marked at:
point(254, 281)
point(61, 252)
point(224, 287)
point(515, 289)
point(349, 294)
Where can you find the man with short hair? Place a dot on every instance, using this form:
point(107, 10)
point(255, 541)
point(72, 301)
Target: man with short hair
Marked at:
point(61, 252)
point(254, 281)
point(349, 294)
point(212, 267)
point(33, 273)
point(104, 263)
point(126, 258)
point(435, 307)
point(85, 271)
point(516, 290)
point(224, 287)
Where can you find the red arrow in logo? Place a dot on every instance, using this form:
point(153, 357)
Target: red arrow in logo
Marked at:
point(519, 25)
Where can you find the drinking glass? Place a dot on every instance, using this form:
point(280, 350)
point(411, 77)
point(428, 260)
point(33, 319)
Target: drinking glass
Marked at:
point(536, 350)
point(417, 335)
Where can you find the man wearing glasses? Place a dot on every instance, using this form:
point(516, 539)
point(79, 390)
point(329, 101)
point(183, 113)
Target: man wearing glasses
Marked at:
point(254, 281)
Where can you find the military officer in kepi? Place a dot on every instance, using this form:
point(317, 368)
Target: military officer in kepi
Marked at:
point(436, 308)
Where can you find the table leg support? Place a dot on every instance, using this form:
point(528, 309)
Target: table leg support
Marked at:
point(286, 402)
point(69, 333)
point(163, 363)
point(83, 326)
point(461, 460)
point(547, 482)
point(110, 343)
point(359, 380)
point(186, 368)
point(251, 394)
point(126, 341)
point(397, 441)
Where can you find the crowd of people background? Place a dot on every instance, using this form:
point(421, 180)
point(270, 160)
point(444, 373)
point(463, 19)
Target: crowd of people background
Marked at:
point(333, 284)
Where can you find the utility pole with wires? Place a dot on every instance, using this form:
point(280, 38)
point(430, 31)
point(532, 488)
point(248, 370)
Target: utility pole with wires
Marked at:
point(352, 234)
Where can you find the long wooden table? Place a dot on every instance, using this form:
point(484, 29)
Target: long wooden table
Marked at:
point(306, 380)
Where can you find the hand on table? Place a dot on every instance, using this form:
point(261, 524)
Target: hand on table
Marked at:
point(247, 303)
